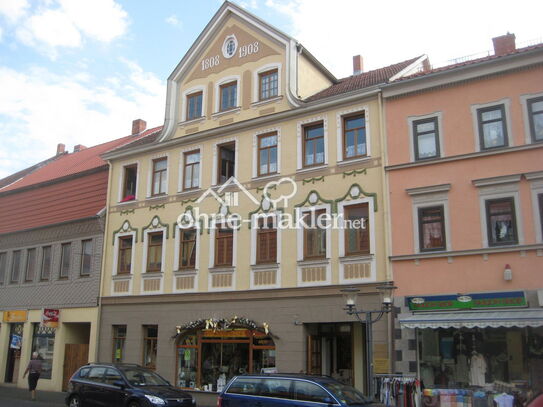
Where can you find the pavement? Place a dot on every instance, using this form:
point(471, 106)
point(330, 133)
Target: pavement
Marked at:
point(11, 396)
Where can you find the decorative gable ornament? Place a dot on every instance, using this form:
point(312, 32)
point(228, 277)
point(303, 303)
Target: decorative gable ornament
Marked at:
point(230, 46)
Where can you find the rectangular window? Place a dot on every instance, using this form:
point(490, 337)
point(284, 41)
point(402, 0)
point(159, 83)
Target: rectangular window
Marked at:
point(150, 340)
point(354, 136)
point(426, 138)
point(432, 228)
point(65, 260)
point(46, 263)
point(269, 84)
point(314, 236)
point(267, 154)
point(3, 266)
point(119, 337)
point(15, 266)
point(187, 248)
point(228, 98)
point(125, 255)
point(43, 342)
point(30, 265)
point(492, 128)
point(266, 240)
point(313, 145)
point(86, 257)
point(357, 229)
point(154, 252)
point(227, 162)
point(191, 171)
point(194, 106)
point(501, 222)
point(160, 168)
point(535, 116)
point(130, 181)
point(224, 247)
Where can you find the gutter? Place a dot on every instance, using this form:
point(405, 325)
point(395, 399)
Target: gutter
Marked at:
point(245, 125)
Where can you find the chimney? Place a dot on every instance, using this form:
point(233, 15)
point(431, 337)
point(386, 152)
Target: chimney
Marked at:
point(358, 65)
point(79, 147)
point(504, 44)
point(138, 126)
point(60, 148)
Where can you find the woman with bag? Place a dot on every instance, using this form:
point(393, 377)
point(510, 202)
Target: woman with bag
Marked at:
point(34, 370)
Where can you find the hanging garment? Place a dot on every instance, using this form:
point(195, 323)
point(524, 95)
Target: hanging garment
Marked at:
point(504, 400)
point(477, 370)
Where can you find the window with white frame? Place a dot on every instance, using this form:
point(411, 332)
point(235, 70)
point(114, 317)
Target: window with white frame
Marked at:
point(431, 231)
point(226, 162)
point(313, 145)
point(194, 105)
point(357, 229)
point(501, 221)
point(159, 176)
point(268, 83)
point(155, 243)
point(228, 96)
point(129, 182)
point(426, 138)
point(267, 156)
point(188, 248)
point(124, 254)
point(191, 170)
point(314, 238)
point(354, 136)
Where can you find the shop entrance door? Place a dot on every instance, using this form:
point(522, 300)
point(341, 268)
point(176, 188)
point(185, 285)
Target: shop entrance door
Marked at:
point(14, 352)
point(75, 356)
point(330, 351)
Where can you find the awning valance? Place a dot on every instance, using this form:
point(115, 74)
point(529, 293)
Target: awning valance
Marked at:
point(474, 319)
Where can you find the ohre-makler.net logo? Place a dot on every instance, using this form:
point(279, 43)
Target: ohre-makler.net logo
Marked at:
point(302, 218)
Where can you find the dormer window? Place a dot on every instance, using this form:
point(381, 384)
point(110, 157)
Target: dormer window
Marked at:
point(130, 181)
point(228, 96)
point(269, 84)
point(194, 105)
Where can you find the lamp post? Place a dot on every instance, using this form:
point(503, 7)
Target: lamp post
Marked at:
point(350, 294)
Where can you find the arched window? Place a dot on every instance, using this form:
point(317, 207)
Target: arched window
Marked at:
point(208, 358)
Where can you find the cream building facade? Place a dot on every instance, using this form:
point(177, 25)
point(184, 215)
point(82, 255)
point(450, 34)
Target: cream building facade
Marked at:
point(249, 102)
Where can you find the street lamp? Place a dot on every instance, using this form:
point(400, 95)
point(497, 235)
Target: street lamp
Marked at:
point(350, 294)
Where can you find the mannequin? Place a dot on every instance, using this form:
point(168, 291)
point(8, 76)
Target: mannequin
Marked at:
point(477, 369)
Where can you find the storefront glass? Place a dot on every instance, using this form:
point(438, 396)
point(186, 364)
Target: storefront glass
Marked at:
point(207, 359)
point(459, 358)
point(43, 342)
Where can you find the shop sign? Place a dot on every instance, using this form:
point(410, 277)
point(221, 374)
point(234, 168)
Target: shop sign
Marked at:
point(511, 299)
point(15, 316)
point(233, 333)
point(50, 317)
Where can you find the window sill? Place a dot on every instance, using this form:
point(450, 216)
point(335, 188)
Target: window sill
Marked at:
point(157, 197)
point(266, 101)
point(185, 272)
point(357, 258)
point(189, 192)
point(314, 262)
point(216, 115)
point(267, 177)
point(350, 161)
point(192, 121)
point(152, 274)
point(311, 169)
point(122, 203)
point(222, 269)
point(123, 276)
point(265, 266)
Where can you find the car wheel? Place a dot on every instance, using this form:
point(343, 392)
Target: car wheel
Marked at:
point(75, 401)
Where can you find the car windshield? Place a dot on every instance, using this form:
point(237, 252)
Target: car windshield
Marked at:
point(346, 394)
point(141, 377)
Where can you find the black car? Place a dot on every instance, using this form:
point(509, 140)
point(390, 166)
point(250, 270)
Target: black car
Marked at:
point(123, 385)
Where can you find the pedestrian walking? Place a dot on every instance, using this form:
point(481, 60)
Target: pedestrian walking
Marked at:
point(34, 370)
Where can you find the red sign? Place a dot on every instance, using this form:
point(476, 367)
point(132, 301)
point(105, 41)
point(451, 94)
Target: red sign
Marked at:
point(50, 317)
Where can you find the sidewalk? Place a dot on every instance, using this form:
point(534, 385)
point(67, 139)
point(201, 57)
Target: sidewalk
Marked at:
point(14, 396)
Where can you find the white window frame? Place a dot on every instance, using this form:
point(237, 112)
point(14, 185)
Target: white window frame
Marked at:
point(214, 178)
point(254, 228)
point(212, 234)
point(525, 115)
point(277, 131)
point(339, 123)
point(176, 258)
point(116, 253)
point(506, 102)
point(371, 215)
point(300, 139)
point(146, 248)
point(536, 186)
point(300, 233)
point(411, 119)
point(500, 187)
point(256, 82)
point(222, 81)
point(150, 175)
point(427, 198)
point(184, 103)
point(180, 181)
point(121, 180)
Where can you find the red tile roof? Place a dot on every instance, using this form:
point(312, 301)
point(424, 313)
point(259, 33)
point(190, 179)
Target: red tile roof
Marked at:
point(10, 179)
point(469, 62)
point(148, 136)
point(363, 80)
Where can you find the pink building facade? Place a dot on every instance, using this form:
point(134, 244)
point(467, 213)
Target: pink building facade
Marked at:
point(465, 178)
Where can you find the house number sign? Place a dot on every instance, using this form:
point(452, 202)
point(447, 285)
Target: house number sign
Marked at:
point(229, 49)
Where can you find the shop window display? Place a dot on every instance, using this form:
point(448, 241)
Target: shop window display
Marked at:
point(208, 359)
point(462, 358)
point(43, 342)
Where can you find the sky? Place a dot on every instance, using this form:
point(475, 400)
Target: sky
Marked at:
point(79, 71)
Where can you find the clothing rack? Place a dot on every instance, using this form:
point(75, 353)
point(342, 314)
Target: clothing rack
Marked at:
point(398, 390)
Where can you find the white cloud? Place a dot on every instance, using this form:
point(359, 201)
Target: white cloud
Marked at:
point(66, 23)
point(13, 9)
point(388, 32)
point(39, 109)
point(173, 20)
